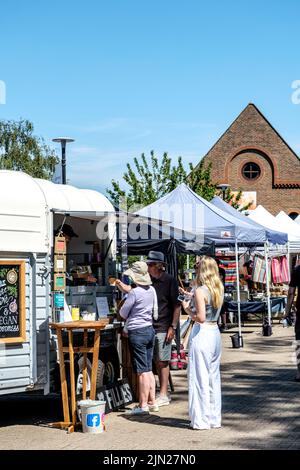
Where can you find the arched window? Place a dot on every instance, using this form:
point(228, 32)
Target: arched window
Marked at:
point(251, 171)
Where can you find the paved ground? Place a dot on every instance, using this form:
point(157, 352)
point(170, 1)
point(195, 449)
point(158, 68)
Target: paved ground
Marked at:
point(260, 408)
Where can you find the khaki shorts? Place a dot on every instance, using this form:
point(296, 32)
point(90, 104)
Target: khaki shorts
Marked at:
point(162, 350)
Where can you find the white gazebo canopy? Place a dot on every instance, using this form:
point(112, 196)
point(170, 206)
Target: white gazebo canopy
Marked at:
point(293, 230)
point(264, 217)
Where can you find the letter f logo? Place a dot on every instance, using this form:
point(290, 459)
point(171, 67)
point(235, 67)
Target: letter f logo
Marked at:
point(93, 420)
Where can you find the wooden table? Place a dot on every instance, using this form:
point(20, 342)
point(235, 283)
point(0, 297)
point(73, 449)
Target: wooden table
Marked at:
point(71, 423)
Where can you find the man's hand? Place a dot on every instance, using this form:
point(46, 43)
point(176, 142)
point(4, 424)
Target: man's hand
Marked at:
point(170, 334)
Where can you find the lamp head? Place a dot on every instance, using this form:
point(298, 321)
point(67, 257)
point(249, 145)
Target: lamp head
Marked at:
point(223, 186)
point(63, 139)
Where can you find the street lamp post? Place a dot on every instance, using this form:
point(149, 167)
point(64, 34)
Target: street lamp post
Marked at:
point(223, 188)
point(63, 141)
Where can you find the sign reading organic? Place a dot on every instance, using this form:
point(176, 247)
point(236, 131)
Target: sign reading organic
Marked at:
point(12, 302)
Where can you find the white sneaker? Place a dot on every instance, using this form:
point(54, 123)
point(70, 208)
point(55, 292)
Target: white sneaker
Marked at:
point(137, 410)
point(154, 407)
point(162, 401)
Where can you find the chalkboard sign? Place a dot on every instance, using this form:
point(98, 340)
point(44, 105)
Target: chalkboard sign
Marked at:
point(12, 302)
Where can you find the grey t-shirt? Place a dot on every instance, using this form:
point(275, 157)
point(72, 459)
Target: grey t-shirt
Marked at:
point(138, 308)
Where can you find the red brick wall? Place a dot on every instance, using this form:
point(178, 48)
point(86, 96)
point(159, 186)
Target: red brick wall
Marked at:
point(278, 163)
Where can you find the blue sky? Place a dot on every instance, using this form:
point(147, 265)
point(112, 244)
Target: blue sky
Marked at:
point(126, 77)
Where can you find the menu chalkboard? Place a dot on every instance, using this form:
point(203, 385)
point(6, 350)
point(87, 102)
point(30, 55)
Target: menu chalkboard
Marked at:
point(12, 302)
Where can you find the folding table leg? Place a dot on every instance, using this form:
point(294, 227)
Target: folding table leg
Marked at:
point(84, 371)
point(72, 376)
point(95, 364)
point(64, 385)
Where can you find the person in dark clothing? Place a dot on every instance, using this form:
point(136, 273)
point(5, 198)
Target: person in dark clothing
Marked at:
point(222, 274)
point(295, 284)
point(168, 319)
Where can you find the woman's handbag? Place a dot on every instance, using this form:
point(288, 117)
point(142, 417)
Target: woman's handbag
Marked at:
point(185, 338)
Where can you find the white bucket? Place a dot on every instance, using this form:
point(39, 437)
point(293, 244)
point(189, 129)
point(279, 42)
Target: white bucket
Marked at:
point(92, 415)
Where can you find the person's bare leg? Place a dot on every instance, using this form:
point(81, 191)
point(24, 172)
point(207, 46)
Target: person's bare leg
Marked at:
point(151, 398)
point(164, 371)
point(144, 388)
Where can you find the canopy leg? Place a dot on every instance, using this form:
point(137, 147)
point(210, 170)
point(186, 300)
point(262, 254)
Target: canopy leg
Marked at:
point(238, 294)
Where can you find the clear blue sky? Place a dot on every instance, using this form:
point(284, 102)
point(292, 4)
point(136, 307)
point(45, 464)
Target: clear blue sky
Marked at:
point(123, 77)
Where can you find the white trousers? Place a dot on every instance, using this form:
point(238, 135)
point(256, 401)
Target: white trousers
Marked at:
point(204, 376)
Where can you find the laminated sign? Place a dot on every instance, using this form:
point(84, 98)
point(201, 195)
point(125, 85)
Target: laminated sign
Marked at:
point(12, 302)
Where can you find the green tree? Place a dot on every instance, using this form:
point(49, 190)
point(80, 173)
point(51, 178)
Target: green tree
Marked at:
point(235, 200)
point(149, 181)
point(21, 150)
point(200, 180)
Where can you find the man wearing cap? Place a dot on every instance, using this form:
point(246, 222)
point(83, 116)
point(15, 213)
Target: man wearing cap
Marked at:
point(168, 318)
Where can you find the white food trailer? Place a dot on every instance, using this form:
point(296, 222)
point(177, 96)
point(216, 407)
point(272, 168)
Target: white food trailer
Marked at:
point(30, 210)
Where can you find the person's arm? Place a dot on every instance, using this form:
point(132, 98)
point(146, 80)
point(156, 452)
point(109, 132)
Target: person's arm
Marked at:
point(128, 304)
point(290, 300)
point(123, 287)
point(291, 293)
point(174, 292)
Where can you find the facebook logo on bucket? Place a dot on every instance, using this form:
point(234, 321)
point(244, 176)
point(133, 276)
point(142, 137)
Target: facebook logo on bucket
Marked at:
point(93, 420)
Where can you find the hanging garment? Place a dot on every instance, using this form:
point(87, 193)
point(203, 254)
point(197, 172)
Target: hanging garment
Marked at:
point(259, 270)
point(259, 273)
point(276, 271)
point(204, 376)
point(285, 270)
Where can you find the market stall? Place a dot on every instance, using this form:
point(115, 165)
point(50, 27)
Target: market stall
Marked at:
point(258, 256)
point(185, 210)
point(50, 277)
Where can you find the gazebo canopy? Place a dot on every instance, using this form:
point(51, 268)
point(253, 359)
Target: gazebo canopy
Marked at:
point(187, 211)
point(273, 236)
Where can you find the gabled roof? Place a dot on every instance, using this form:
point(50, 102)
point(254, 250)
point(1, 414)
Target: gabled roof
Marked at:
point(279, 182)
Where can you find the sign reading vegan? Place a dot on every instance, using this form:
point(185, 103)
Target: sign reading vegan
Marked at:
point(12, 302)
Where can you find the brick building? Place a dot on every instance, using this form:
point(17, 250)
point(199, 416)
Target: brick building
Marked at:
point(253, 157)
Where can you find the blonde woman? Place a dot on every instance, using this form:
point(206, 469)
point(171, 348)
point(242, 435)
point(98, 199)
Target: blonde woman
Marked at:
point(205, 347)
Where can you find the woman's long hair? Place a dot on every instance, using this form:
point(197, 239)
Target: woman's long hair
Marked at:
point(208, 275)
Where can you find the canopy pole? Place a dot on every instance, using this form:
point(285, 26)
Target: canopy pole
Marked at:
point(238, 293)
point(268, 283)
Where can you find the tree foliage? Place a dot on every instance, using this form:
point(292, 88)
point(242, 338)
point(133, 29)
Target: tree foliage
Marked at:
point(200, 180)
point(235, 200)
point(21, 150)
point(149, 181)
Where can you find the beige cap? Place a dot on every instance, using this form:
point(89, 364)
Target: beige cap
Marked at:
point(139, 273)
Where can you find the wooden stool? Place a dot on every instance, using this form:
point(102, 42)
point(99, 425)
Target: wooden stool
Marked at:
point(67, 423)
